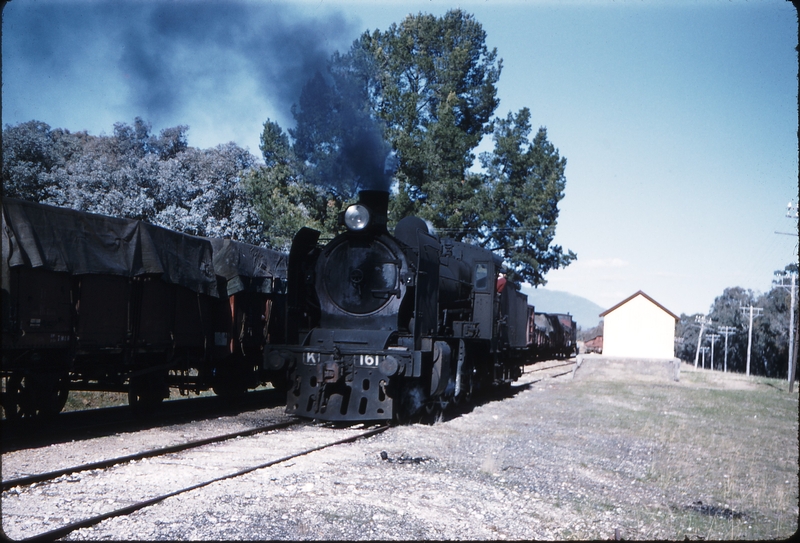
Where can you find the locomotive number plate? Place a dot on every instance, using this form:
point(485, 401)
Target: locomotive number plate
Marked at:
point(361, 360)
point(369, 360)
point(311, 359)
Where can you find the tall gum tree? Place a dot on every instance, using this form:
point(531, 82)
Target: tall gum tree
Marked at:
point(525, 180)
point(427, 87)
point(435, 90)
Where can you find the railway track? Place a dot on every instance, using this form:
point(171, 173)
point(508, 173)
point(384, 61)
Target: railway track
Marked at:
point(98, 422)
point(100, 491)
point(548, 366)
point(161, 451)
point(96, 491)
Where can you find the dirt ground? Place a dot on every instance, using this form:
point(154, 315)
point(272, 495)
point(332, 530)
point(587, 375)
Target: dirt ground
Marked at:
point(711, 456)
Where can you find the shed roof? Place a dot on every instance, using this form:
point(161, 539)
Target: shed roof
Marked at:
point(631, 297)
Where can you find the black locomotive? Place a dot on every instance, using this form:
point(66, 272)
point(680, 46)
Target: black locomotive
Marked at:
point(385, 326)
point(99, 303)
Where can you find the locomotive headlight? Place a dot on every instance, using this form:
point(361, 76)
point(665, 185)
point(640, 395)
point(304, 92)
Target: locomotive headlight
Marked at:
point(356, 217)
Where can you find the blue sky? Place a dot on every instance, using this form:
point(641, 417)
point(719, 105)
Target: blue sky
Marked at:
point(678, 119)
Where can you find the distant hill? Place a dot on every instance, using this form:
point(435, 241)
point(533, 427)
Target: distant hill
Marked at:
point(584, 312)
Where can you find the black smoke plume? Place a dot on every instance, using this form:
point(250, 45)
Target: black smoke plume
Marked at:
point(339, 136)
point(174, 55)
point(171, 52)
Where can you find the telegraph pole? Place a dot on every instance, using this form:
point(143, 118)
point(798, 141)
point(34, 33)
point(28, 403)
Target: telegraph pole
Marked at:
point(726, 331)
point(794, 360)
point(703, 320)
point(792, 212)
point(758, 311)
point(704, 350)
point(713, 338)
point(792, 290)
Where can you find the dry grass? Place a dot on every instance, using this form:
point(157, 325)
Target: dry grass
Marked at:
point(714, 456)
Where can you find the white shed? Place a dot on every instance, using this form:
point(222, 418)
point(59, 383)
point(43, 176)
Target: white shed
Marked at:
point(639, 327)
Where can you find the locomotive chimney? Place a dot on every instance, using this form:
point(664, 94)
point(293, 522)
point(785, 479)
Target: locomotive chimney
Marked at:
point(377, 201)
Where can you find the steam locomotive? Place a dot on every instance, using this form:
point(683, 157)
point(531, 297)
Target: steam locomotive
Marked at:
point(99, 303)
point(384, 327)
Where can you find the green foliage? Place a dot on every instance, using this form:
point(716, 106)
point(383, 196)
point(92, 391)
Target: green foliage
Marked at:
point(436, 93)
point(526, 182)
point(133, 174)
point(32, 156)
point(427, 87)
point(770, 337)
point(284, 201)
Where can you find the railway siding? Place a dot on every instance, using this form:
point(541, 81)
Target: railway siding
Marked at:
point(58, 456)
point(35, 509)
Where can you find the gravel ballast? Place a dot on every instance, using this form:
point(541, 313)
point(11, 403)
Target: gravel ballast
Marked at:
point(557, 459)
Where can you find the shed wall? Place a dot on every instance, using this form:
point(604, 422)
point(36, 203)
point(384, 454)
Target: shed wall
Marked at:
point(640, 329)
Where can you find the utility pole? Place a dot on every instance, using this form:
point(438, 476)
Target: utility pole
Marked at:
point(758, 311)
point(703, 320)
point(792, 290)
point(793, 212)
point(713, 338)
point(794, 360)
point(726, 331)
point(704, 350)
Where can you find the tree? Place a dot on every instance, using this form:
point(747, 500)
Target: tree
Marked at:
point(428, 88)
point(769, 352)
point(134, 174)
point(726, 311)
point(771, 335)
point(526, 182)
point(282, 198)
point(32, 153)
point(687, 331)
point(434, 87)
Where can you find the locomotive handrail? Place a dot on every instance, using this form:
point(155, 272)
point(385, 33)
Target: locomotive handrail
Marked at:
point(387, 292)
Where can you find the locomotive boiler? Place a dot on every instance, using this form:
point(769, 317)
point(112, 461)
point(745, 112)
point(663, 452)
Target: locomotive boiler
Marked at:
point(383, 327)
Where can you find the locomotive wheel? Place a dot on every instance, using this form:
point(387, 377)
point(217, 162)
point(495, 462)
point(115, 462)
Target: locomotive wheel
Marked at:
point(31, 396)
point(433, 412)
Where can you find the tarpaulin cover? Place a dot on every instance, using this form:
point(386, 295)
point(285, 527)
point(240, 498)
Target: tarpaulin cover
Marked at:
point(248, 267)
point(66, 240)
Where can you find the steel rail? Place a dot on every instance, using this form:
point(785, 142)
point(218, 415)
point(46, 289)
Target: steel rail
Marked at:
point(69, 528)
point(102, 464)
point(550, 367)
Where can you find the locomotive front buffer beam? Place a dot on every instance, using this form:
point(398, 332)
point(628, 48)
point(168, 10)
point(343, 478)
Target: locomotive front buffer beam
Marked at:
point(347, 386)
